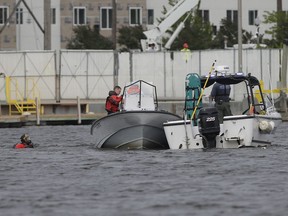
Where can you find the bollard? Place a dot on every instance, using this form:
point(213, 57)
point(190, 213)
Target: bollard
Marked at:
point(79, 110)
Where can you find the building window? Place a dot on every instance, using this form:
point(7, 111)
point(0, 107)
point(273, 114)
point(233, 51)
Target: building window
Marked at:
point(19, 15)
point(106, 18)
point(79, 15)
point(214, 29)
point(232, 16)
point(150, 16)
point(204, 14)
point(253, 14)
point(53, 15)
point(3, 15)
point(135, 15)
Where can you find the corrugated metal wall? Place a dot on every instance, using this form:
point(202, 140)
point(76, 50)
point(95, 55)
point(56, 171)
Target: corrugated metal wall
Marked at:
point(28, 67)
point(91, 74)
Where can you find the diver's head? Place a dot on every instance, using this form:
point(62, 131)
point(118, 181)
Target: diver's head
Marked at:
point(25, 138)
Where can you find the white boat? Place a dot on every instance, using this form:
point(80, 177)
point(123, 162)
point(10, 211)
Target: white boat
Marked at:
point(252, 129)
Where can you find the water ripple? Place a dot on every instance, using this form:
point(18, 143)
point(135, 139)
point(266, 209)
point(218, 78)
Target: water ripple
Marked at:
point(65, 176)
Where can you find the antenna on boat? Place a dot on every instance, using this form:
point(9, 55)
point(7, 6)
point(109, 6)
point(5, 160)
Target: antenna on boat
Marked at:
point(271, 87)
point(201, 95)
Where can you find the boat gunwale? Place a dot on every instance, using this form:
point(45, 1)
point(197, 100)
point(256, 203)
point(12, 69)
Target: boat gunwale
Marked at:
point(132, 111)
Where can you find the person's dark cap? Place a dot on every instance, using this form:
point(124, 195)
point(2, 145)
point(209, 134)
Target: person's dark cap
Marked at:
point(112, 93)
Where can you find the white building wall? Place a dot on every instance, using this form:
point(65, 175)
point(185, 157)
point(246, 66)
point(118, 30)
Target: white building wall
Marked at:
point(56, 28)
point(217, 11)
point(30, 37)
point(28, 34)
point(157, 6)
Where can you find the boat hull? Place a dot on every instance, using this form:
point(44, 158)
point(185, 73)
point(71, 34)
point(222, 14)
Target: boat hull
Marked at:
point(132, 130)
point(235, 132)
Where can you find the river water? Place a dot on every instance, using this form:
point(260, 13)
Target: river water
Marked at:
point(65, 176)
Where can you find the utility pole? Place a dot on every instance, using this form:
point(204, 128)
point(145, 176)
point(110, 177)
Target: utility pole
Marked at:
point(240, 64)
point(279, 5)
point(47, 24)
point(114, 40)
point(114, 23)
point(279, 9)
point(238, 89)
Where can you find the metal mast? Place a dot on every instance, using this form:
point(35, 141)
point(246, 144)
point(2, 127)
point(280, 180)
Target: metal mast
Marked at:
point(240, 64)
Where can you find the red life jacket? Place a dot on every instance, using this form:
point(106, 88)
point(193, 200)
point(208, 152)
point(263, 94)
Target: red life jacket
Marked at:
point(112, 103)
point(20, 145)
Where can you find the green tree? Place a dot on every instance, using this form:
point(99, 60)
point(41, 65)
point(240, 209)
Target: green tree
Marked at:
point(229, 32)
point(87, 38)
point(130, 37)
point(279, 29)
point(197, 33)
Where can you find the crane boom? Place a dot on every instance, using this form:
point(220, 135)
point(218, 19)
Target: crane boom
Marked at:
point(176, 12)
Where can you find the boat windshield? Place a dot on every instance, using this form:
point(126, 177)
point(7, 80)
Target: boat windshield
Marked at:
point(139, 95)
point(258, 105)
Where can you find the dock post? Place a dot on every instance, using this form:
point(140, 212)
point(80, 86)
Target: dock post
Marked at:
point(37, 111)
point(79, 110)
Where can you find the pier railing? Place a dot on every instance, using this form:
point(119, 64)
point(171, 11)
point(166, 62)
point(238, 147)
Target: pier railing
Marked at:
point(18, 104)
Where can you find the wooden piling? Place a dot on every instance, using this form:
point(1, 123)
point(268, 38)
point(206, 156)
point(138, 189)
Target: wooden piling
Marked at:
point(37, 111)
point(79, 110)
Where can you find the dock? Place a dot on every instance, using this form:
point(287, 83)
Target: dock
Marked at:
point(7, 121)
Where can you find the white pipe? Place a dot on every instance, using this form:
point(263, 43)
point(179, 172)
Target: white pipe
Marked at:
point(173, 8)
point(174, 35)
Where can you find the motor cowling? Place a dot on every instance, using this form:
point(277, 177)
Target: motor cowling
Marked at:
point(209, 126)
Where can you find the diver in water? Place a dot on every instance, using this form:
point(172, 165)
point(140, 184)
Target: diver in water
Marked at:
point(25, 142)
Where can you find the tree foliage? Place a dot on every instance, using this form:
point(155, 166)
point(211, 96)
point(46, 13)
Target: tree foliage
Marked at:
point(130, 37)
point(229, 32)
point(197, 33)
point(279, 28)
point(87, 38)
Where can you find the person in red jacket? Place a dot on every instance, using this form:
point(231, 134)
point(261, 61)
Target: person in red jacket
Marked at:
point(113, 100)
point(25, 142)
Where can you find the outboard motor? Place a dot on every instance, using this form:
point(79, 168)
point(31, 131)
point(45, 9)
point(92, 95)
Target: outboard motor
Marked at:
point(209, 126)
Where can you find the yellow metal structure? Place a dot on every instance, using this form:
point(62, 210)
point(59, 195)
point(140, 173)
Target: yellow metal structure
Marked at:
point(15, 97)
point(272, 91)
